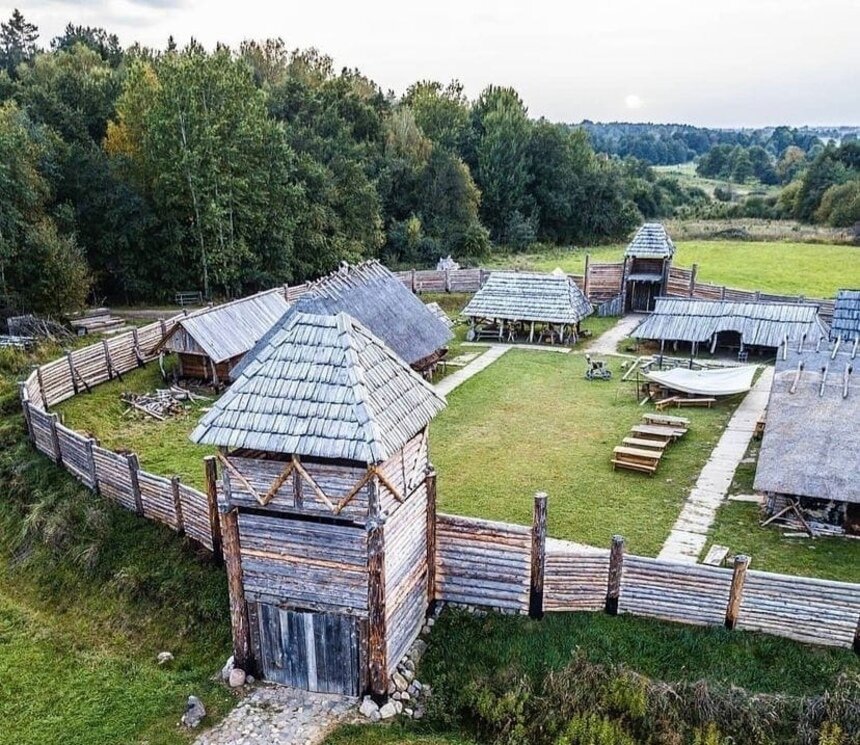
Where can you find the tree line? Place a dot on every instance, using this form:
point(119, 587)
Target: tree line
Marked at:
point(129, 174)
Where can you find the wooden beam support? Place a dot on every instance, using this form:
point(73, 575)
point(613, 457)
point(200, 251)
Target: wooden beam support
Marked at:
point(112, 371)
point(857, 637)
point(133, 468)
point(72, 372)
point(136, 348)
point(91, 456)
point(377, 649)
point(210, 469)
point(616, 566)
point(693, 272)
point(25, 408)
point(585, 275)
point(55, 438)
point(42, 388)
point(239, 623)
point(430, 481)
point(538, 562)
point(736, 592)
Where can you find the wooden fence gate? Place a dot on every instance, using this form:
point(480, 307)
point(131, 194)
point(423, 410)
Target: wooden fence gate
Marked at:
point(314, 651)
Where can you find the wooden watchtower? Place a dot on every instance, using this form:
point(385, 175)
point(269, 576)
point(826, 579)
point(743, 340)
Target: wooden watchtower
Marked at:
point(646, 267)
point(327, 502)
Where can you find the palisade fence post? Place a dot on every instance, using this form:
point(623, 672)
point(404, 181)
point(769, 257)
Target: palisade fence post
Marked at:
point(55, 438)
point(42, 388)
point(210, 466)
point(377, 656)
point(857, 637)
point(447, 280)
point(133, 468)
point(585, 275)
point(25, 408)
point(430, 481)
point(232, 551)
point(538, 558)
point(177, 504)
point(616, 566)
point(72, 372)
point(736, 592)
point(91, 456)
point(693, 272)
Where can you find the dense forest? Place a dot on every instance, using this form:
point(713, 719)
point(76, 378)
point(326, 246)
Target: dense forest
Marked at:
point(129, 174)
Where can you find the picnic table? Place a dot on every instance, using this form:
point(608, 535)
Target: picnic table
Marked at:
point(657, 432)
point(667, 420)
point(643, 442)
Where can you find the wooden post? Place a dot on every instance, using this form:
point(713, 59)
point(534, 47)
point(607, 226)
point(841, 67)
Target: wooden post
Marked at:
point(177, 504)
point(91, 444)
point(42, 388)
point(430, 482)
point(412, 283)
point(693, 272)
point(585, 275)
point(616, 565)
point(25, 408)
point(298, 481)
point(857, 637)
point(210, 468)
point(737, 590)
point(72, 372)
point(163, 328)
point(538, 564)
point(377, 650)
point(623, 289)
point(447, 280)
point(136, 348)
point(133, 468)
point(239, 622)
point(55, 438)
point(107, 359)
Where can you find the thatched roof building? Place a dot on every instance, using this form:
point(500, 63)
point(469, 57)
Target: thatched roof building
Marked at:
point(846, 316)
point(373, 296)
point(528, 296)
point(210, 341)
point(752, 324)
point(811, 444)
point(651, 242)
point(321, 386)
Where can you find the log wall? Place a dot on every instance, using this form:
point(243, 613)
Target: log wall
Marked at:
point(485, 564)
point(405, 574)
point(482, 563)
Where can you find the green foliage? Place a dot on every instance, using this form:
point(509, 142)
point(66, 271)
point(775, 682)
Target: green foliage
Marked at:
point(17, 42)
point(592, 729)
point(834, 166)
point(840, 205)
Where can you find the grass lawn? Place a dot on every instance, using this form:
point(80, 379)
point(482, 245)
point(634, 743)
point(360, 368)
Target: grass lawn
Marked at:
point(737, 526)
point(163, 447)
point(531, 422)
point(815, 270)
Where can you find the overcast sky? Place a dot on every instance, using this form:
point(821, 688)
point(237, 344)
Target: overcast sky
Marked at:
point(725, 63)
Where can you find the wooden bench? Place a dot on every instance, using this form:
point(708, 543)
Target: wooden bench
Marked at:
point(640, 442)
point(636, 459)
point(657, 432)
point(708, 402)
point(664, 403)
point(681, 422)
point(189, 298)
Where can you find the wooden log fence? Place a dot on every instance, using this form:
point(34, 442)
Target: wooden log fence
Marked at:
point(117, 476)
point(485, 564)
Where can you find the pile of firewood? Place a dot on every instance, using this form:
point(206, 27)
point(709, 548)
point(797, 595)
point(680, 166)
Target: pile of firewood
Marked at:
point(96, 321)
point(161, 405)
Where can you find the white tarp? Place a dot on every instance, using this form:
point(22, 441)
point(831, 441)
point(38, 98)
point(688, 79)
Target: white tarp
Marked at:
point(722, 382)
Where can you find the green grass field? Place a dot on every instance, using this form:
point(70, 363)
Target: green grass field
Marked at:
point(531, 422)
point(814, 270)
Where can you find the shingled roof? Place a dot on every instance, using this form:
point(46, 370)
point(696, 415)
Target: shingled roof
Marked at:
point(372, 295)
point(846, 315)
point(321, 386)
point(526, 296)
point(651, 242)
point(811, 444)
point(228, 330)
point(759, 324)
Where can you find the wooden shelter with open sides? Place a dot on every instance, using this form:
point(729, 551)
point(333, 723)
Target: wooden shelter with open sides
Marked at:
point(327, 502)
point(646, 267)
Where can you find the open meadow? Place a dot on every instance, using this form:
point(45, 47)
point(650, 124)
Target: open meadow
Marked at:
point(814, 270)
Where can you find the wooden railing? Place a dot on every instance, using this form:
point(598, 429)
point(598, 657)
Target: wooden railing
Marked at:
point(492, 565)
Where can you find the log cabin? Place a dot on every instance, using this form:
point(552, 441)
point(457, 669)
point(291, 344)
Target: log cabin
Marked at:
point(327, 502)
point(209, 342)
point(810, 450)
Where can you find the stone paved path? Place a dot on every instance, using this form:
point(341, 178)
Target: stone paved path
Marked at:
point(280, 716)
point(690, 532)
point(446, 385)
point(608, 341)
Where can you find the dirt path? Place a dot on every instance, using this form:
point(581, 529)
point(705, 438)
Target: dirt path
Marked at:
point(608, 341)
point(690, 532)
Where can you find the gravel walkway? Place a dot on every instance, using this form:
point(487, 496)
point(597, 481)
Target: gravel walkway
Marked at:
point(608, 341)
point(690, 532)
point(446, 385)
point(280, 716)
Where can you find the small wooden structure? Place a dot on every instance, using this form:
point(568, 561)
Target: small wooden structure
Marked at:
point(209, 342)
point(810, 450)
point(646, 267)
point(328, 504)
point(511, 305)
point(708, 324)
point(846, 316)
point(643, 449)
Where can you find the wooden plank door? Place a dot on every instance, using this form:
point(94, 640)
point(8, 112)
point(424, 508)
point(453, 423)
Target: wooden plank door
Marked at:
point(314, 651)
